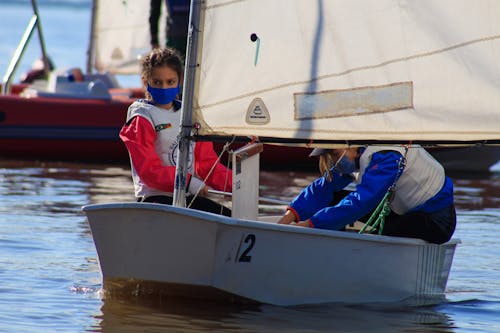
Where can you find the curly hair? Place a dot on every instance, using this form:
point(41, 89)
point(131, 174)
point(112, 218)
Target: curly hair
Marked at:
point(160, 57)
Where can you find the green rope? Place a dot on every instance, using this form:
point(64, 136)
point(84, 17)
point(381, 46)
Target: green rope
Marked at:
point(380, 213)
point(378, 216)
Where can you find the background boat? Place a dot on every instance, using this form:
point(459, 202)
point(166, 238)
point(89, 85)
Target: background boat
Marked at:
point(468, 159)
point(71, 115)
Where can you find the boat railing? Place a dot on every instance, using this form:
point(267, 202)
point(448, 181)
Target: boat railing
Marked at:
point(33, 24)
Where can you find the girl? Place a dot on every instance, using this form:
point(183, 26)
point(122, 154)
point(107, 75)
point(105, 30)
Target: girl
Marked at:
point(151, 137)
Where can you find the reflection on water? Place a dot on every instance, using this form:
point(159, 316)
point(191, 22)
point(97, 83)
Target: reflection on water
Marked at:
point(480, 193)
point(63, 183)
point(178, 315)
point(51, 280)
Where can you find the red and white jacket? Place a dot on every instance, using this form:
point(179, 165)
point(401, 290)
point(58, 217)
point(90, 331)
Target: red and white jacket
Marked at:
point(151, 137)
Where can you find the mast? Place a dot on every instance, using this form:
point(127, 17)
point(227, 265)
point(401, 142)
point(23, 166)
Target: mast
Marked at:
point(91, 48)
point(45, 58)
point(179, 199)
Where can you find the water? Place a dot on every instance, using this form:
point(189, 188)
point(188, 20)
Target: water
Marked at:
point(50, 280)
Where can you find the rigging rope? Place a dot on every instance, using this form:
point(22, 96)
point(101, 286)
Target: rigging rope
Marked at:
point(224, 149)
point(377, 219)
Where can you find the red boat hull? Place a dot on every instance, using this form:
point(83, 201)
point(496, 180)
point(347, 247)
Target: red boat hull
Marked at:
point(62, 129)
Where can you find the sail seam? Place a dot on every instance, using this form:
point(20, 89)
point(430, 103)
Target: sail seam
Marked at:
point(224, 4)
point(355, 69)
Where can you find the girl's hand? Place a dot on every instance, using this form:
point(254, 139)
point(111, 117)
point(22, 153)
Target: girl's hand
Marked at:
point(306, 224)
point(204, 191)
point(288, 218)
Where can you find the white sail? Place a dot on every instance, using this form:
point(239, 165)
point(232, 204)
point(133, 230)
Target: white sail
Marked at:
point(350, 69)
point(121, 35)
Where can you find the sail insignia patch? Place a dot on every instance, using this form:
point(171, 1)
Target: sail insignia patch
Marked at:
point(257, 113)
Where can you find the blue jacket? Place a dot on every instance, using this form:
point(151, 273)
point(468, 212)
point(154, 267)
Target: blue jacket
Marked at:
point(313, 202)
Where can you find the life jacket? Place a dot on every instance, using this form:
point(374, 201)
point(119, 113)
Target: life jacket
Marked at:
point(166, 124)
point(421, 179)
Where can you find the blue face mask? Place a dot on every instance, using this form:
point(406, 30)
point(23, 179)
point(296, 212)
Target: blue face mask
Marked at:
point(346, 166)
point(163, 95)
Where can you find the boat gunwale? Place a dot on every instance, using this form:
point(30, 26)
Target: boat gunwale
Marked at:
point(229, 221)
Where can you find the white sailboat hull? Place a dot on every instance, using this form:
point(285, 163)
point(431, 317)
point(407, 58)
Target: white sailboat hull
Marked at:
point(263, 261)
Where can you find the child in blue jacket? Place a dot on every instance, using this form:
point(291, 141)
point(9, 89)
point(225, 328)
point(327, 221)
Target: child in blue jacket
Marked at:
point(421, 204)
